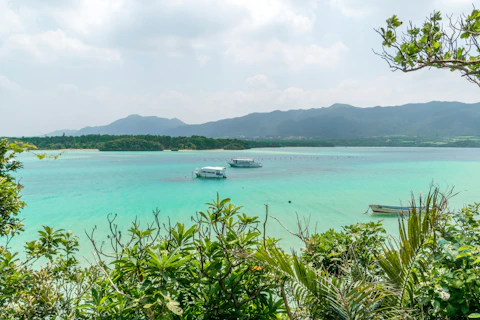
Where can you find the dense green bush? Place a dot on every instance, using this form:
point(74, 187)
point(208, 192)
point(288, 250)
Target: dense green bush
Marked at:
point(10, 198)
point(360, 242)
point(205, 271)
point(451, 286)
point(233, 146)
point(130, 144)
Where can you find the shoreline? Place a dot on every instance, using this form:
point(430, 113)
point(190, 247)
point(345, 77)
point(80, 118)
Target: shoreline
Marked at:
point(283, 147)
point(63, 150)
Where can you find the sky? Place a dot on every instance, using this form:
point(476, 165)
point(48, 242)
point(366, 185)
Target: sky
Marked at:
point(71, 64)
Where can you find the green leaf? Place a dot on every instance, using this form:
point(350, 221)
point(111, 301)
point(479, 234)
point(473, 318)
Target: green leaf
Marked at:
point(463, 255)
point(476, 260)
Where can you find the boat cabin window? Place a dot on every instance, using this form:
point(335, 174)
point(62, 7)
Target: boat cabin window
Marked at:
point(217, 172)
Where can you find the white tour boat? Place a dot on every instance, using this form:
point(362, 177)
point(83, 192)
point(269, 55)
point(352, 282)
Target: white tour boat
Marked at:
point(211, 172)
point(244, 163)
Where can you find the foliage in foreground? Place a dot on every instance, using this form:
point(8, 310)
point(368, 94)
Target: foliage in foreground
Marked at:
point(224, 266)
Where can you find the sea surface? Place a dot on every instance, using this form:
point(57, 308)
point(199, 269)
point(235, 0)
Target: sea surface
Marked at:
point(330, 186)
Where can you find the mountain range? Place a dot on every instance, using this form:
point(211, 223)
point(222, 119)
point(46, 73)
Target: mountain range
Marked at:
point(131, 125)
point(337, 121)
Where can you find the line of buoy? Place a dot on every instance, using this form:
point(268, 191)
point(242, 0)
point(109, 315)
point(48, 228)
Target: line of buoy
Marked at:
point(291, 158)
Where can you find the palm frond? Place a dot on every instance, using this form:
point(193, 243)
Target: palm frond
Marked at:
point(402, 258)
point(342, 297)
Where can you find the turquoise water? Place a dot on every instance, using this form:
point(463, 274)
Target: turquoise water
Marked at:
point(332, 186)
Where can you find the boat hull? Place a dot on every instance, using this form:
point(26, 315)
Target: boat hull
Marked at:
point(380, 209)
point(205, 176)
point(239, 165)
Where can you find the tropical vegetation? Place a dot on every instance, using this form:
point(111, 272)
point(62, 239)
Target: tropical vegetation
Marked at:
point(161, 143)
point(225, 266)
point(408, 141)
point(157, 143)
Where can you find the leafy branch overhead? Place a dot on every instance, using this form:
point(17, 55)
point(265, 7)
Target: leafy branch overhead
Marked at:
point(453, 45)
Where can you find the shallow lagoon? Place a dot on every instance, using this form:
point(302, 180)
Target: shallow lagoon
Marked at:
point(331, 185)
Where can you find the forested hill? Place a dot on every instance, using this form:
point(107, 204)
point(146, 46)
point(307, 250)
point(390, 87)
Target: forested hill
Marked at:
point(443, 119)
point(131, 125)
point(345, 121)
point(157, 143)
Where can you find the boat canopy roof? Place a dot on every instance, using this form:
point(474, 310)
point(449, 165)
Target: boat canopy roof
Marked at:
point(242, 159)
point(213, 168)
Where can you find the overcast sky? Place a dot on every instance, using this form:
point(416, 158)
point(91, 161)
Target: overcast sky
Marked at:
point(69, 64)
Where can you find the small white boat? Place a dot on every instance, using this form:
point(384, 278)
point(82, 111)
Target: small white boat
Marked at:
point(393, 209)
point(244, 163)
point(211, 172)
point(11, 161)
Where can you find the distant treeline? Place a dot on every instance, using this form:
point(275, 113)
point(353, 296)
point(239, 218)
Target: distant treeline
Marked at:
point(405, 141)
point(159, 143)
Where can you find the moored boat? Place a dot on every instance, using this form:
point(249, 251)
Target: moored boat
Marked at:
point(393, 209)
point(211, 172)
point(244, 163)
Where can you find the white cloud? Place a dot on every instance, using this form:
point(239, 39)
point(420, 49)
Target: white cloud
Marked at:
point(351, 8)
point(260, 80)
point(455, 4)
point(176, 46)
point(10, 20)
point(6, 83)
point(296, 56)
point(87, 17)
point(52, 45)
point(299, 19)
point(301, 55)
point(203, 59)
point(207, 27)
